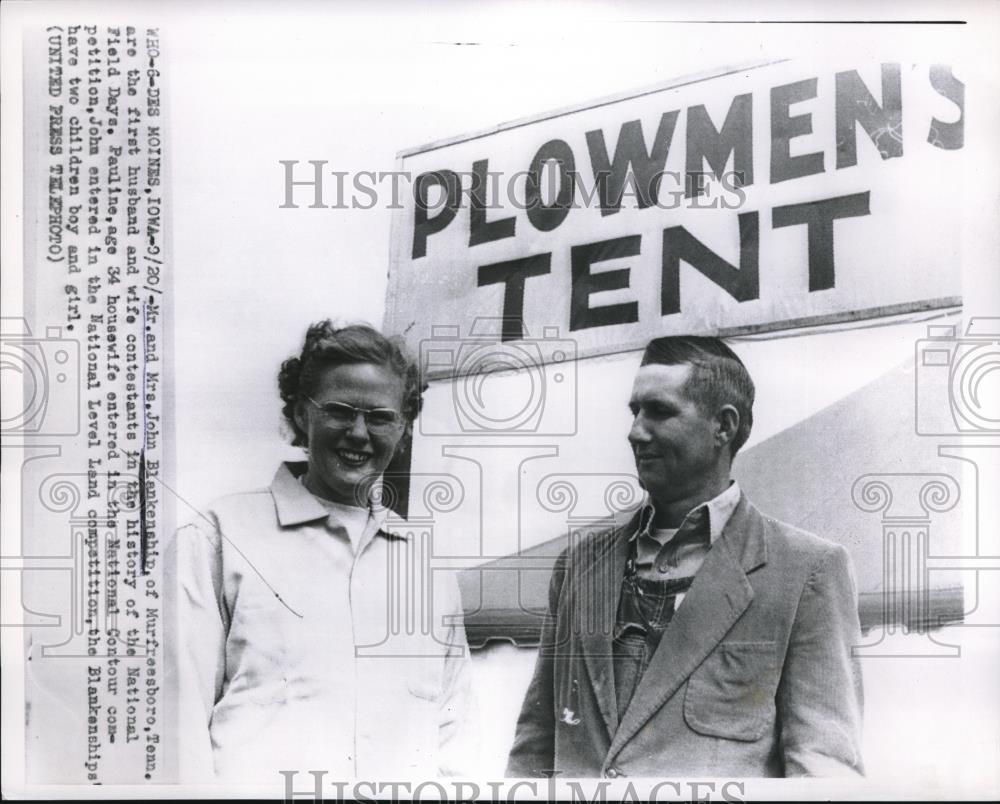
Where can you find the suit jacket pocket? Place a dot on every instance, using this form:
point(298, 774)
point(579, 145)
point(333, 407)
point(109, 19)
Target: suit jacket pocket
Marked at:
point(731, 694)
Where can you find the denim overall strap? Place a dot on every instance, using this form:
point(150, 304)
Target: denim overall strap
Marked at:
point(645, 609)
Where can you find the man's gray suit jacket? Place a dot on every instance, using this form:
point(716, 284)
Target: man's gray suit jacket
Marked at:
point(754, 675)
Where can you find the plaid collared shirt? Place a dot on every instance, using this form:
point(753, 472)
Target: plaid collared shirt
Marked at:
point(682, 555)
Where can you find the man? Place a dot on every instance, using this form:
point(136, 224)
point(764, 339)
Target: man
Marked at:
point(700, 637)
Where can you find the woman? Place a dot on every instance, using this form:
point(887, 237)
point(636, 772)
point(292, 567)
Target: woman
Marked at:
point(290, 657)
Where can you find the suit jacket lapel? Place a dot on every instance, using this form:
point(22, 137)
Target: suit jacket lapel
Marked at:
point(597, 589)
point(718, 596)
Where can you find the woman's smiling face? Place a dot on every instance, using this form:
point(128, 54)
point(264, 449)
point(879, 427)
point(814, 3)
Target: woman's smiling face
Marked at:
point(343, 459)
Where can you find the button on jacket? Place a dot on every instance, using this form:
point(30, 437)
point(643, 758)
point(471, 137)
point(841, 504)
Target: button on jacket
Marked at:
point(296, 650)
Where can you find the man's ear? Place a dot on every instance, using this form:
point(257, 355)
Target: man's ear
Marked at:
point(728, 422)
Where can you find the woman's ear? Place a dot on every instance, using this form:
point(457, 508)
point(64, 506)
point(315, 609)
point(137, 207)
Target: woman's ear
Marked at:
point(300, 416)
point(405, 440)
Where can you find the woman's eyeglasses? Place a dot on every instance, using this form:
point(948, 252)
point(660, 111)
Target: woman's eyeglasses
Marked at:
point(379, 421)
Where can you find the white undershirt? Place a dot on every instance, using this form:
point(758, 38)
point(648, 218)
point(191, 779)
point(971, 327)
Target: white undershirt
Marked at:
point(664, 535)
point(353, 519)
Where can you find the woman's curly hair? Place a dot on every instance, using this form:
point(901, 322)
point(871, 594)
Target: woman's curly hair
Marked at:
point(326, 346)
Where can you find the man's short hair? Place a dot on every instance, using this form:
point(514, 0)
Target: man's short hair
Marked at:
point(718, 376)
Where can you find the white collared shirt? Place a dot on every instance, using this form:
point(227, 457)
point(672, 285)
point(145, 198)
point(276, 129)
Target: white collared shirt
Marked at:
point(361, 524)
point(296, 650)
